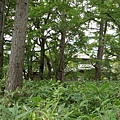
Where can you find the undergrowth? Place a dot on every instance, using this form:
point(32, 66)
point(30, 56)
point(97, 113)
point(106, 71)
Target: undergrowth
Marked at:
point(50, 100)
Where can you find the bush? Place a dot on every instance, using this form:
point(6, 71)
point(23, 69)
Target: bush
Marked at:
point(50, 100)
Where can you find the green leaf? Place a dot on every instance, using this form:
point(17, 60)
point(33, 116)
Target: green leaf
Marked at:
point(105, 101)
point(36, 99)
point(4, 117)
point(61, 107)
point(23, 114)
point(83, 103)
point(14, 110)
point(93, 87)
point(66, 115)
point(6, 110)
point(105, 86)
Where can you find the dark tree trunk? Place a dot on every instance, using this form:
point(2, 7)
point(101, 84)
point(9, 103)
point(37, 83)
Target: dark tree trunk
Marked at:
point(42, 58)
point(16, 63)
point(2, 20)
point(49, 67)
point(103, 28)
point(30, 72)
point(29, 57)
point(102, 32)
point(42, 45)
point(60, 71)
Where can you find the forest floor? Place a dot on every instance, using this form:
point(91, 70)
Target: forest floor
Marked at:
point(73, 100)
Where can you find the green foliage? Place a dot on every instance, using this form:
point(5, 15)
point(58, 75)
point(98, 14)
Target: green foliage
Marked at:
point(82, 20)
point(16, 112)
point(67, 101)
point(102, 89)
point(78, 100)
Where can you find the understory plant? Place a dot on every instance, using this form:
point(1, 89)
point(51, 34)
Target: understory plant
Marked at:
point(51, 100)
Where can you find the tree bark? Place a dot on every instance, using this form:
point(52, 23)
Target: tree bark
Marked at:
point(30, 72)
point(60, 71)
point(103, 28)
point(42, 53)
point(15, 78)
point(42, 58)
point(102, 32)
point(49, 67)
point(2, 21)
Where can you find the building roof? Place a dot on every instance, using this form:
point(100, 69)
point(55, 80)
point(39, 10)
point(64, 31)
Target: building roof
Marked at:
point(82, 55)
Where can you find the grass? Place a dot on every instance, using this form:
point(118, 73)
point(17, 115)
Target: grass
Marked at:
point(50, 100)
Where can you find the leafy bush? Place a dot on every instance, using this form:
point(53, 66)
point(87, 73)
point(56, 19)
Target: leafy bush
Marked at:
point(50, 100)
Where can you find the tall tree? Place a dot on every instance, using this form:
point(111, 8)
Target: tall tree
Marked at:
point(40, 22)
point(16, 62)
point(102, 32)
point(63, 29)
point(60, 71)
point(100, 53)
point(2, 20)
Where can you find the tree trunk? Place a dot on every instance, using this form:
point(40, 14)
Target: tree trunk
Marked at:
point(100, 47)
point(30, 72)
point(15, 78)
point(2, 20)
point(103, 28)
point(42, 58)
point(49, 67)
point(60, 71)
point(42, 45)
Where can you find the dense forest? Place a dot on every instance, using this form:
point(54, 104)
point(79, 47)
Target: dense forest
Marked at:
point(59, 59)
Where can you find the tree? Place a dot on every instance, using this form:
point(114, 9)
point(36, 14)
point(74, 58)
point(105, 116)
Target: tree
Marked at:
point(105, 18)
point(60, 29)
point(100, 19)
point(15, 78)
point(69, 30)
point(60, 71)
point(100, 50)
point(2, 20)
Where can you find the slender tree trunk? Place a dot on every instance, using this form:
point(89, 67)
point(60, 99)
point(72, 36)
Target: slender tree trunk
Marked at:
point(42, 58)
point(52, 65)
point(99, 55)
point(100, 49)
point(30, 72)
point(42, 45)
point(16, 62)
point(2, 20)
point(60, 71)
point(103, 28)
point(29, 56)
point(49, 67)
